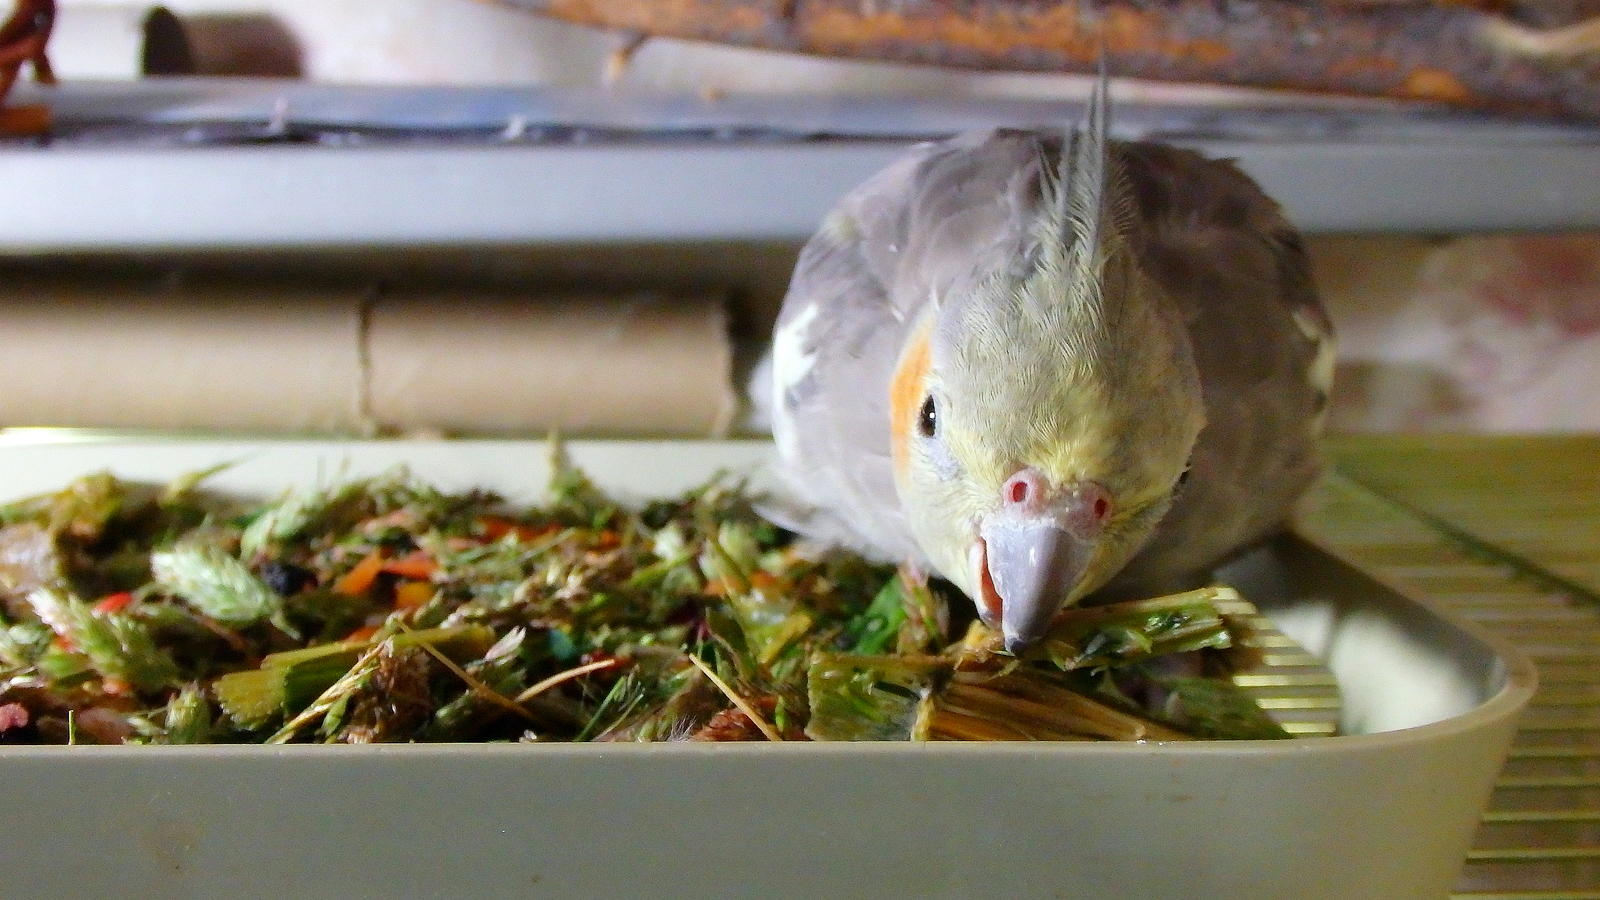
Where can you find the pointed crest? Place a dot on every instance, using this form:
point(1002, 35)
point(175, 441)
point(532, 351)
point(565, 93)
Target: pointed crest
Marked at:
point(1074, 232)
point(1084, 198)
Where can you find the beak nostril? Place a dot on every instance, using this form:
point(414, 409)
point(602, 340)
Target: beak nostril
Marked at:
point(1024, 488)
point(1101, 508)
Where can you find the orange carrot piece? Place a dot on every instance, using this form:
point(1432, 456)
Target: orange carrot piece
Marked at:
point(761, 579)
point(358, 581)
point(364, 633)
point(419, 566)
point(409, 595)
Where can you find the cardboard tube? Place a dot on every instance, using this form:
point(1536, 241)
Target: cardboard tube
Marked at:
point(227, 358)
point(281, 359)
point(642, 364)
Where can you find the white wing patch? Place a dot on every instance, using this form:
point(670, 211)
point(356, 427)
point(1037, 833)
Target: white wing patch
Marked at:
point(1321, 372)
point(791, 363)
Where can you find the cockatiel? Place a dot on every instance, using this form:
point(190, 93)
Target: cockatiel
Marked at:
point(1044, 365)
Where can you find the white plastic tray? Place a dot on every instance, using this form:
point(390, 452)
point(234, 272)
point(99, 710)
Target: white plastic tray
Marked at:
point(1384, 812)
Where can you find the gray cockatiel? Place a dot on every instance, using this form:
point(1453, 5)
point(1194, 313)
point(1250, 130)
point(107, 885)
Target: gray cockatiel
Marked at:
point(1044, 364)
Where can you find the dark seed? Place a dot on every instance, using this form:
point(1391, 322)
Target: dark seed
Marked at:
point(286, 579)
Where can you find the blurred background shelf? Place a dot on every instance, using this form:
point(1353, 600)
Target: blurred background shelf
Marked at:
point(215, 164)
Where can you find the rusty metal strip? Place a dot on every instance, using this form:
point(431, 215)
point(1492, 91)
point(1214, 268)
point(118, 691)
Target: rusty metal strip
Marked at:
point(22, 40)
point(1446, 53)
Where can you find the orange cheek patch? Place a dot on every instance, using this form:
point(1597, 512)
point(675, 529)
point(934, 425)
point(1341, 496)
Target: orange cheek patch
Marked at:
point(906, 392)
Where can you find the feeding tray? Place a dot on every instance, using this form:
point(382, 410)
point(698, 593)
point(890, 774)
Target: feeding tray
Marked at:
point(1383, 809)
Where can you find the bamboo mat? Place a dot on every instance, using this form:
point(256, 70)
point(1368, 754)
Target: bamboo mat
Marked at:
point(1503, 531)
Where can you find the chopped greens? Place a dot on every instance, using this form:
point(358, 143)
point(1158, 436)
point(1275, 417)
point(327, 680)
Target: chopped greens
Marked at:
point(383, 610)
point(217, 584)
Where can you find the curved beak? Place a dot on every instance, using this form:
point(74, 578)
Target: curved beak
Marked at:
point(1033, 551)
point(1032, 568)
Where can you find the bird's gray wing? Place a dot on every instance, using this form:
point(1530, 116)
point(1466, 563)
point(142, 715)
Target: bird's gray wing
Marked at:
point(1236, 271)
point(929, 224)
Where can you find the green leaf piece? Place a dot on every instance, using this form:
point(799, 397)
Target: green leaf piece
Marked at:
point(868, 698)
point(116, 645)
point(218, 585)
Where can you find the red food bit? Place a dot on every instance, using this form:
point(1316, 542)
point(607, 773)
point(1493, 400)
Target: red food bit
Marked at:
point(13, 715)
point(494, 528)
point(729, 725)
point(594, 656)
point(734, 725)
point(103, 726)
point(403, 519)
point(610, 664)
point(114, 603)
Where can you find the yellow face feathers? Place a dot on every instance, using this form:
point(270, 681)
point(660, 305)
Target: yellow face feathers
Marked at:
point(1015, 380)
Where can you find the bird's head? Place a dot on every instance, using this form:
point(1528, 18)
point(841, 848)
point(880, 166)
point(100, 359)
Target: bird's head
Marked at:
point(1044, 416)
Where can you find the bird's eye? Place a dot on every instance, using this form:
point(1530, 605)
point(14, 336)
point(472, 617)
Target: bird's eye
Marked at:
point(928, 419)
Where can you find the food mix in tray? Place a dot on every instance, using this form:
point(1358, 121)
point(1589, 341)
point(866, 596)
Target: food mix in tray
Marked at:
point(383, 609)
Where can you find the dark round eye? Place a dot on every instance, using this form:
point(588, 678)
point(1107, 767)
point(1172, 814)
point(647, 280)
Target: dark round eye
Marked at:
point(928, 419)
